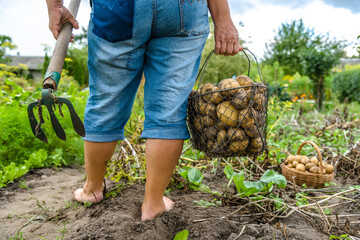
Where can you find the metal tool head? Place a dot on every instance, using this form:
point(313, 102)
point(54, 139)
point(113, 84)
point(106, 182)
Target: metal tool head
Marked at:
point(50, 101)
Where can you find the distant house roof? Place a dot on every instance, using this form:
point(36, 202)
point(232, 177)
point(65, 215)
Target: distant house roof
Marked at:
point(32, 62)
point(350, 61)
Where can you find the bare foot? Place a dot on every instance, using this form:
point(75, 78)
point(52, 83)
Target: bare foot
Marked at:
point(150, 212)
point(85, 195)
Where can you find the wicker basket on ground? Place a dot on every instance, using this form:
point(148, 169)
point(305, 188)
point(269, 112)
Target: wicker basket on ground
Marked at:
point(315, 180)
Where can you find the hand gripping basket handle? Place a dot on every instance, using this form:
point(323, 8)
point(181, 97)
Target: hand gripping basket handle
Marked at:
point(202, 70)
point(318, 153)
point(57, 60)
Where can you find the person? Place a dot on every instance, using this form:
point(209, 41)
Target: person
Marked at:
point(164, 40)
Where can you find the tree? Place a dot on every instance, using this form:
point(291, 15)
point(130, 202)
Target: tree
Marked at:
point(292, 40)
point(5, 43)
point(299, 49)
point(317, 64)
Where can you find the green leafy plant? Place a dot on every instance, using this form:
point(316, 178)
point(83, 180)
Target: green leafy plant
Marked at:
point(194, 177)
point(301, 199)
point(264, 185)
point(341, 237)
point(183, 235)
point(206, 204)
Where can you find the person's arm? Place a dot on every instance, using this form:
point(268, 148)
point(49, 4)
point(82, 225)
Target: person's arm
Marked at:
point(226, 35)
point(58, 15)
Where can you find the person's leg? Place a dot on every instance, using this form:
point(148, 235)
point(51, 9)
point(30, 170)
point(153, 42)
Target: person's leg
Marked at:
point(161, 155)
point(171, 65)
point(96, 156)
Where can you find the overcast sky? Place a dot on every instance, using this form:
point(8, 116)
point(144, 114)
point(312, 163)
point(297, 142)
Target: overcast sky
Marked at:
point(26, 21)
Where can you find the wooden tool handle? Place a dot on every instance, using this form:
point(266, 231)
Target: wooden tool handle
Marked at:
point(57, 60)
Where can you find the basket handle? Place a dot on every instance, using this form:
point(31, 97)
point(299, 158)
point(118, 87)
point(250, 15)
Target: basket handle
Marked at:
point(203, 67)
point(318, 153)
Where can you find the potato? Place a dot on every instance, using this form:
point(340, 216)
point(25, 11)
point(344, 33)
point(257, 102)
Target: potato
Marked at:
point(297, 158)
point(244, 80)
point(295, 163)
point(210, 109)
point(286, 162)
point(236, 134)
point(193, 93)
point(200, 106)
point(216, 97)
point(252, 131)
point(314, 169)
point(300, 167)
point(315, 161)
point(220, 147)
point(329, 169)
point(309, 165)
point(222, 137)
point(220, 126)
point(304, 160)
point(246, 117)
point(289, 165)
point(291, 158)
point(198, 123)
point(238, 146)
point(241, 99)
point(259, 102)
point(206, 88)
point(208, 121)
point(211, 132)
point(324, 164)
point(227, 114)
point(261, 88)
point(228, 84)
point(257, 143)
point(210, 145)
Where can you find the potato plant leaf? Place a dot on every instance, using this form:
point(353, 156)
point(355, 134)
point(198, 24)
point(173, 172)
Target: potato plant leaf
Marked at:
point(195, 176)
point(271, 176)
point(229, 172)
point(183, 235)
point(265, 184)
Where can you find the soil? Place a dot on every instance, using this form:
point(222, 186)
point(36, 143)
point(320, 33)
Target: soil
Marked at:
point(46, 210)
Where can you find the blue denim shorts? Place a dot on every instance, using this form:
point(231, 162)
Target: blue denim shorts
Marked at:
point(161, 39)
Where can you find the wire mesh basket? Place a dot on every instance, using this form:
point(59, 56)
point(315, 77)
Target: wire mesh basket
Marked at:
point(229, 119)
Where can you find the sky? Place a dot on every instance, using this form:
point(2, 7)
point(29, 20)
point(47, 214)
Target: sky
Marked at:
point(26, 21)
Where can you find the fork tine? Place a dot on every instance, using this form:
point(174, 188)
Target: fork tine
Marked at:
point(76, 121)
point(56, 124)
point(33, 123)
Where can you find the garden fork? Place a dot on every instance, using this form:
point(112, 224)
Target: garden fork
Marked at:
point(51, 81)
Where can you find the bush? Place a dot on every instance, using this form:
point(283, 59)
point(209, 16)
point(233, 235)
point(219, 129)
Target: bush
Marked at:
point(347, 85)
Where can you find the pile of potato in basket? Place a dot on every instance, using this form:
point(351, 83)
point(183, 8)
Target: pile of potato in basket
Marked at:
point(229, 119)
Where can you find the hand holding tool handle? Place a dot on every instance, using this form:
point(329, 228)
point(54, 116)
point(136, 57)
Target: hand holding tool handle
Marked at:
point(57, 60)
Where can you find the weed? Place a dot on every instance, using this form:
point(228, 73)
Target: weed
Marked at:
point(18, 236)
point(22, 184)
point(342, 237)
point(301, 199)
point(87, 204)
